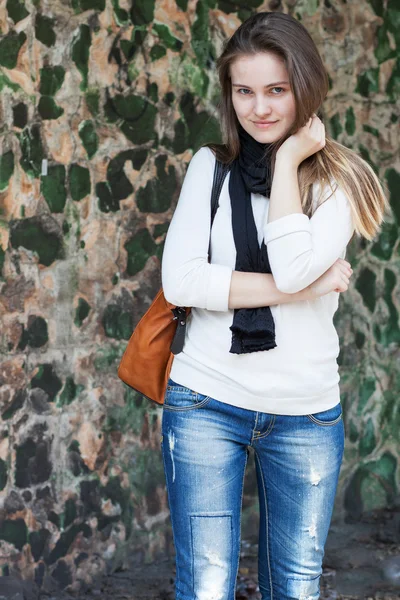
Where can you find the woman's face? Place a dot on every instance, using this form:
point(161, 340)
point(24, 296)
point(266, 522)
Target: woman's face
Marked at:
point(261, 92)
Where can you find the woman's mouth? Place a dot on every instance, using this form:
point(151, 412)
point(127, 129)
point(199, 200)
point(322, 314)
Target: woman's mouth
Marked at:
point(264, 124)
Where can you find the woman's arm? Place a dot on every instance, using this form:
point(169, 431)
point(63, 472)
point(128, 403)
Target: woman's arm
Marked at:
point(252, 290)
point(300, 249)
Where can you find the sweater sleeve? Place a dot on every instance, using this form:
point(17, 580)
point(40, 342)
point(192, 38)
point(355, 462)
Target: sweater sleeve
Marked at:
point(301, 249)
point(188, 279)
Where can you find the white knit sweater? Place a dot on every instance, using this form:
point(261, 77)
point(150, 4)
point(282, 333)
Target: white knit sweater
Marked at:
point(299, 376)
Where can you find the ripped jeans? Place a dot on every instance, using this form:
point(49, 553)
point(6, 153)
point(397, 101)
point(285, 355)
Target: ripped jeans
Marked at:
point(205, 446)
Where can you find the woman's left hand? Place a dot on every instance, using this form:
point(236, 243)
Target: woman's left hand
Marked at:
point(306, 141)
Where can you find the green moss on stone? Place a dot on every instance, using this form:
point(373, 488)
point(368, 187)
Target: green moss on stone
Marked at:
point(6, 82)
point(70, 512)
point(2, 257)
point(44, 31)
point(118, 183)
point(108, 357)
point(384, 471)
point(359, 339)
point(117, 323)
point(156, 196)
point(36, 335)
point(152, 92)
point(160, 229)
point(121, 15)
point(165, 35)
point(20, 115)
point(139, 116)
point(393, 182)
point(128, 48)
point(53, 188)
point(10, 46)
point(383, 247)
point(17, 403)
point(368, 441)
point(92, 101)
point(80, 53)
point(31, 150)
point(336, 126)
point(393, 85)
point(31, 234)
point(79, 182)
point(391, 332)
point(139, 248)
point(353, 434)
point(88, 135)
point(69, 392)
point(201, 128)
point(93, 5)
point(6, 169)
point(107, 202)
point(169, 98)
point(63, 544)
point(366, 389)
point(16, 10)
point(47, 380)
point(48, 109)
point(368, 82)
point(200, 33)
point(371, 130)
point(157, 52)
point(82, 311)
point(350, 124)
point(142, 11)
point(182, 4)
point(3, 474)
point(51, 80)
point(38, 541)
point(366, 285)
point(377, 5)
point(383, 51)
point(14, 532)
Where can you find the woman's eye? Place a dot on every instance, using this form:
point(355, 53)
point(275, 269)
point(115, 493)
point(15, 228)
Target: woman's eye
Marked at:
point(247, 90)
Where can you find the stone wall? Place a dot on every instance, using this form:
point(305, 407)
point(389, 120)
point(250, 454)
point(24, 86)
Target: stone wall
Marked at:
point(103, 102)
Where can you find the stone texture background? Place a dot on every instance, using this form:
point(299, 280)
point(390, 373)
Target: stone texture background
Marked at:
point(116, 96)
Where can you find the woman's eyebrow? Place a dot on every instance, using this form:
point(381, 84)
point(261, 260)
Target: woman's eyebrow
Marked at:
point(268, 85)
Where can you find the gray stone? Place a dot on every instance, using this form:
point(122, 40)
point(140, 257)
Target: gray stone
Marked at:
point(391, 570)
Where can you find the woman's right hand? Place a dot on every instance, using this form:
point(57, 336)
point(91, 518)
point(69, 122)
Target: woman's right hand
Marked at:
point(335, 279)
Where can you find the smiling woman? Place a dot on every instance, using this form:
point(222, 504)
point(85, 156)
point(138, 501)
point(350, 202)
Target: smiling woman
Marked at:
point(263, 112)
point(259, 363)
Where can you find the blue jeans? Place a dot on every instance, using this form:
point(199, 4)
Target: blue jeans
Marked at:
point(205, 446)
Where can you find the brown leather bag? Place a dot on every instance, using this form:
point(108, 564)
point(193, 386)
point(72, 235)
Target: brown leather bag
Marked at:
point(160, 333)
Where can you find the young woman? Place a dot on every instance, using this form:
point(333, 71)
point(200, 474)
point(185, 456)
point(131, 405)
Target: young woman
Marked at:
point(259, 368)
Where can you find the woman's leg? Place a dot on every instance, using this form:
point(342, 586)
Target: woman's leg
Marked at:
point(298, 461)
point(205, 453)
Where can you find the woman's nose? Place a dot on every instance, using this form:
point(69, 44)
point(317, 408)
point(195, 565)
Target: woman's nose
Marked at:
point(261, 108)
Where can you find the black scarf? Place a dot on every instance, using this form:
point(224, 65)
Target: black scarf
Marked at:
point(253, 328)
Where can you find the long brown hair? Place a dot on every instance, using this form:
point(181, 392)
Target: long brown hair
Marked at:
point(281, 34)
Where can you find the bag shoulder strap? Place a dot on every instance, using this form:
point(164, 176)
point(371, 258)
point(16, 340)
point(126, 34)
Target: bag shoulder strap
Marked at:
point(220, 172)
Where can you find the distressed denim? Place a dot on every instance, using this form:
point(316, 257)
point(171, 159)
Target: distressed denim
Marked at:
point(205, 446)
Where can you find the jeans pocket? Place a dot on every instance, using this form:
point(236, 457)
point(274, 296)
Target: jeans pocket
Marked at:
point(327, 417)
point(303, 587)
point(180, 397)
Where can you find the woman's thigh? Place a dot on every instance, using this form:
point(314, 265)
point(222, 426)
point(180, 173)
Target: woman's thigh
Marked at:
point(297, 467)
point(204, 454)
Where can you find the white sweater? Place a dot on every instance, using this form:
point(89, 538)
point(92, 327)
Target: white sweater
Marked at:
point(300, 375)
